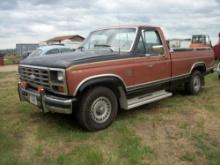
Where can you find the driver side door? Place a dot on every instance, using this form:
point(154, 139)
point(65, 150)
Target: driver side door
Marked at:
point(153, 67)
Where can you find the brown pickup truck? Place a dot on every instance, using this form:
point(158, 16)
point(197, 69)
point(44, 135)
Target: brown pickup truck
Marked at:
point(115, 68)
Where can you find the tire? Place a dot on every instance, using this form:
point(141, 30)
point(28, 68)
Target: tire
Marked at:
point(98, 109)
point(194, 85)
point(219, 76)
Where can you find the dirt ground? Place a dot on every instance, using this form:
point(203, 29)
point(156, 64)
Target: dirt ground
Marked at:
point(180, 130)
point(8, 68)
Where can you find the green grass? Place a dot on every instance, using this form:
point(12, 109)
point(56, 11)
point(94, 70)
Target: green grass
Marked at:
point(179, 130)
point(84, 154)
point(207, 147)
point(7, 147)
point(131, 147)
point(11, 59)
point(189, 157)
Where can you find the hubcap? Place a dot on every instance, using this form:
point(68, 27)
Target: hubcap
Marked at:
point(101, 109)
point(197, 83)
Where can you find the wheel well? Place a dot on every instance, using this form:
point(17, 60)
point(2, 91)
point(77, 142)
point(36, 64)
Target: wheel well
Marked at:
point(201, 68)
point(111, 83)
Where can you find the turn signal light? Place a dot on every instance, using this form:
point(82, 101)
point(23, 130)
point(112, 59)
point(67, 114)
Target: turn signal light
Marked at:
point(40, 89)
point(60, 88)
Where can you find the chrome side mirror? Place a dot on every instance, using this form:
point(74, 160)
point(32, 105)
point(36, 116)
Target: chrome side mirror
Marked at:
point(158, 49)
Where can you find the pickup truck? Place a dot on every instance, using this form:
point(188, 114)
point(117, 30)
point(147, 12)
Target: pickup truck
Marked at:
point(201, 41)
point(115, 68)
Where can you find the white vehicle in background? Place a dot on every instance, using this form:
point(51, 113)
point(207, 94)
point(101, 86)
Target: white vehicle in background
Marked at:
point(50, 49)
point(218, 70)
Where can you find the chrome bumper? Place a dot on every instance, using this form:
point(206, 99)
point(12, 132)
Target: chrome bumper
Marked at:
point(48, 103)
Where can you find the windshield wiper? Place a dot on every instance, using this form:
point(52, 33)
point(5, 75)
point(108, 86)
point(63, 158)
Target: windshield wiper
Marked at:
point(81, 48)
point(103, 45)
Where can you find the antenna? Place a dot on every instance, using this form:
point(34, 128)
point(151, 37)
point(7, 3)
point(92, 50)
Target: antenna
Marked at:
point(117, 15)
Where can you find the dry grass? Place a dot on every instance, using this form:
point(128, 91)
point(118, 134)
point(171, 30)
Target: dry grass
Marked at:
point(179, 130)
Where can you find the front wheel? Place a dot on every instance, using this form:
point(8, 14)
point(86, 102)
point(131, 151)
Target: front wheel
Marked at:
point(195, 83)
point(98, 108)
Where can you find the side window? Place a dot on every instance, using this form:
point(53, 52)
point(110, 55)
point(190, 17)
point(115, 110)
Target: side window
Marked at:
point(152, 42)
point(53, 51)
point(140, 47)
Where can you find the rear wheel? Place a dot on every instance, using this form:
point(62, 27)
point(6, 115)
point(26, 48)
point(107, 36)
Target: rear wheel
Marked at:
point(98, 109)
point(195, 83)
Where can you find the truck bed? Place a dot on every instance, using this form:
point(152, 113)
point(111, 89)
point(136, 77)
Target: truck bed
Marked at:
point(184, 59)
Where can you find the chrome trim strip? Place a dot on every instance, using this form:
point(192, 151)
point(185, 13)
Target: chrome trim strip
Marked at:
point(210, 68)
point(65, 102)
point(97, 76)
point(142, 84)
point(194, 64)
point(168, 78)
point(131, 86)
point(182, 75)
point(127, 87)
point(150, 97)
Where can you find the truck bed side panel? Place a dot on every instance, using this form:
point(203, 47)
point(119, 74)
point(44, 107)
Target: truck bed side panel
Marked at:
point(183, 61)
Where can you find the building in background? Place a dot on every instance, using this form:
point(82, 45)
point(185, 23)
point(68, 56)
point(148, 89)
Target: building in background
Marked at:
point(72, 41)
point(22, 49)
point(179, 43)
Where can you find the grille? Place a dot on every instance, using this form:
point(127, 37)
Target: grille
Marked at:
point(35, 76)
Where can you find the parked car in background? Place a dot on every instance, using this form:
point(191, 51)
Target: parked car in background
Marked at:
point(50, 49)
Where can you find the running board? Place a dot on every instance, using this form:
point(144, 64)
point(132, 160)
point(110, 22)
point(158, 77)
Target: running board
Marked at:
point(147, 98)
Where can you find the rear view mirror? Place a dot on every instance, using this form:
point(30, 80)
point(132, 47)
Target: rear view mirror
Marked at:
point(158, 49)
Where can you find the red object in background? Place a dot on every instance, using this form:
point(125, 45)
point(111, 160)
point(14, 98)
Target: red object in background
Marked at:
point(217, 49)
point(1, 60)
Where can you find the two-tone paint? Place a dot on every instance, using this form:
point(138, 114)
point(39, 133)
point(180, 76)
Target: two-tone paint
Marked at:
point(127, 73)
point(137, 71)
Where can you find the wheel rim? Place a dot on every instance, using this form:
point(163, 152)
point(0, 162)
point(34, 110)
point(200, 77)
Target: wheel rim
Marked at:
point(101, 109)
point(197, 83)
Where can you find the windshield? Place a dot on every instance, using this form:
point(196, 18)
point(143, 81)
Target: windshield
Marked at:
point(118, 39)
point(37, 52)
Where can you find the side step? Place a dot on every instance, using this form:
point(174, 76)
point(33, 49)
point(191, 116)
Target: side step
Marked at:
point(147, 98)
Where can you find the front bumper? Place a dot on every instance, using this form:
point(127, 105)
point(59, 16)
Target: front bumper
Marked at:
point(48, 103)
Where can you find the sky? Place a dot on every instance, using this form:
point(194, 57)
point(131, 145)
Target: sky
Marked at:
point(33, 21)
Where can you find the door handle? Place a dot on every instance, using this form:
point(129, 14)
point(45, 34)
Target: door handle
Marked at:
point(150, 65)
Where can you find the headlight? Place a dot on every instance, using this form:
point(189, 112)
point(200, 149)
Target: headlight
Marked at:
point(58, 81)
point(57, 76)
point(60, 76)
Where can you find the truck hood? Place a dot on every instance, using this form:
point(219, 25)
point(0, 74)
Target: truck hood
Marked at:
point(67, 59)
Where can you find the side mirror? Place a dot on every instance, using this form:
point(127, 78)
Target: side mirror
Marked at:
point(158, 49)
